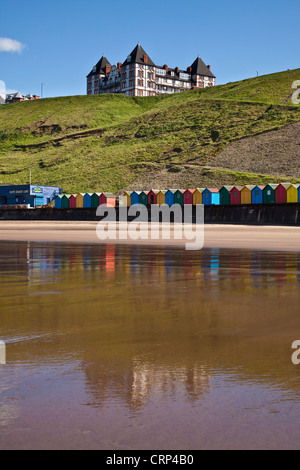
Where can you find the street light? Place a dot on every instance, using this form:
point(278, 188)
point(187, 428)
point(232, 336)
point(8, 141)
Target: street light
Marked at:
point(42, 88)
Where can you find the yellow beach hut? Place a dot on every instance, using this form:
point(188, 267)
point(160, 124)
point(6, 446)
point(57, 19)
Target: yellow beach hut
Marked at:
point(293, 193)
point(161, 197)
point(197, 196)
point(80, 200)
point(246, 194)
point(127, 196)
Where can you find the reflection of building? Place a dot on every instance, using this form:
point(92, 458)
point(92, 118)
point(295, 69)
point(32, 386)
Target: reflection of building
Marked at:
point(139, 76)
point(149, 379)
point(140, 380)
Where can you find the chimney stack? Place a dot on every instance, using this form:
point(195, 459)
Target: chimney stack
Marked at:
point(107, 69)
point(119, 65)
point(189, 70)
point(208, 67)
point(177, 70)
point(166, 68)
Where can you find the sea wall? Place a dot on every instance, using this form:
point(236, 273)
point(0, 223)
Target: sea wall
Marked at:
point(258, 214)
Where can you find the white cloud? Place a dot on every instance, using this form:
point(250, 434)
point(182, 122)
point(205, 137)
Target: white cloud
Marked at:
point(10, 45)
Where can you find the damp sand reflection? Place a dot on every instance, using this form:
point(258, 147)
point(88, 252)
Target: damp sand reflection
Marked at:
point(127, 347)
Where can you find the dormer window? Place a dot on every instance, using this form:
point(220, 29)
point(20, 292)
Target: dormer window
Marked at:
point(129, 58)
point(172, 74)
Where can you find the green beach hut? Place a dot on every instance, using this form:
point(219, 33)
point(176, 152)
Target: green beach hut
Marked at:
point(178, 197)
point(143, 198)
point(95, 200)
point(269, 193)
point(65, 201)
point(225, 194)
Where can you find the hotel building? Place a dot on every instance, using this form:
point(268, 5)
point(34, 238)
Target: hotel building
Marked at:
point(139, 76)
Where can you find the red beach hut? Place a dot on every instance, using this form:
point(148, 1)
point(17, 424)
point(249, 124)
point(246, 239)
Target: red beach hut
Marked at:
point(152, 197)
point(235, 195)
point(281, 193)
point(188, 196)
point(72, 201)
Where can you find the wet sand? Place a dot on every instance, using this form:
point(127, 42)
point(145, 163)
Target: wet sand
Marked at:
point(222, 236)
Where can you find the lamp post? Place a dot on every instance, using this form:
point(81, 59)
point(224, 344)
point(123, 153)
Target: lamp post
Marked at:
point(42, 88)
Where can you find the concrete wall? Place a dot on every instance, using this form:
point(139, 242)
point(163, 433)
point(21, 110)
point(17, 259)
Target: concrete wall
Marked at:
point(258, 214)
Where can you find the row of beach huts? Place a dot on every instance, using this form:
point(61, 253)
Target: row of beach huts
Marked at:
point(228, 195)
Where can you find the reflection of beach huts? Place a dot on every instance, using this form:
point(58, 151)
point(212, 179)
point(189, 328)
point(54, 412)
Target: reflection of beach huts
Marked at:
point(211, 196)
point(178, 197)
point(72, 201)
point(152, 196)
point(257, 194)
point(281, 193)
point(269, 194)
point(197, 196)
point(80, 200)
point(143, 198)
point(246, 194)
point(225, 195)
point(169, 197)
point(161, 197)
point(235, 195)
point(293, 193)
point(188, 196)
point(108, 199)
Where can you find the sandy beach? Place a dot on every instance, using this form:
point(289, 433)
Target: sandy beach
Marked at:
point(222, 236)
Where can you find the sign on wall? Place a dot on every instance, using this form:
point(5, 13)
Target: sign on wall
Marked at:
point(37, 190)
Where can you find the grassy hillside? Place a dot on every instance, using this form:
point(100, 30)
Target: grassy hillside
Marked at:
point(112, 142)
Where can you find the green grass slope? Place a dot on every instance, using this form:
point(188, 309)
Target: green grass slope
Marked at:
point(112, 142)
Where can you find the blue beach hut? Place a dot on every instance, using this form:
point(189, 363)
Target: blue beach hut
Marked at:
point(57, 202)
point(135, 197)
point(87, 200)
point(258, 195)
point(169, 197)
point(211, 196)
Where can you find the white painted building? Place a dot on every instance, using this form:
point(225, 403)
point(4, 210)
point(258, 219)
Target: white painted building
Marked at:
point(139, 76)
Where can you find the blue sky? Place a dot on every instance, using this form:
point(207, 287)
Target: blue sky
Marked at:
point(60, 41)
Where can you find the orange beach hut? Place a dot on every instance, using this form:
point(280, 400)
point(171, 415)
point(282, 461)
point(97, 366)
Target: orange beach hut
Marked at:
point(246, 194)
point(80, 200)
point(107, 198)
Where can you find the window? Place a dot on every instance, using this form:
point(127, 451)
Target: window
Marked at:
point(269, 192)
point(184, 76)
